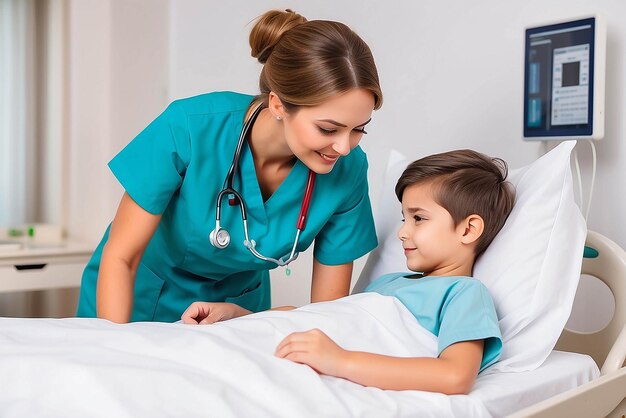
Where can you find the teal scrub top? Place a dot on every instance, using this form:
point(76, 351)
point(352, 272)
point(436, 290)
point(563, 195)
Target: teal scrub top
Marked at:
point(453, 308)
point(176, 167)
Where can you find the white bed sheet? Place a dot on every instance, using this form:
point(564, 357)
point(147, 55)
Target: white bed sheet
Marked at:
point(91, 367)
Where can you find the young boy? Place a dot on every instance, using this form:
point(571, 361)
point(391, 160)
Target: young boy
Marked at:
point(453, 205)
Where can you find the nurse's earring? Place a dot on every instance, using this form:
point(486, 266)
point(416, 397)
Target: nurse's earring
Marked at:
point(279, 118)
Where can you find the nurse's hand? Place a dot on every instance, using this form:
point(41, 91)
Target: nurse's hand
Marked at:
point(200, 313)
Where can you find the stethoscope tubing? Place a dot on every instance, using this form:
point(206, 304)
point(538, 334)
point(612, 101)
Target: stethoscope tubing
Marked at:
point(220, 238)
point(306, 201)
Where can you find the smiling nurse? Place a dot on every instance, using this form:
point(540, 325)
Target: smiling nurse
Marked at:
point(319, 86)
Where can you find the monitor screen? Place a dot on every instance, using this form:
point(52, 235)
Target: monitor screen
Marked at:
point(559, 79)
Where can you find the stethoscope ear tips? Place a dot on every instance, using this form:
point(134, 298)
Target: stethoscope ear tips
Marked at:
point(219, 238)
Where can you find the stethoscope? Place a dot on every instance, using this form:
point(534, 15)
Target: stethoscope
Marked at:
point(220, 237)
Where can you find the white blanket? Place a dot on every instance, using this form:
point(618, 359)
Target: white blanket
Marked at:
point(92, 367)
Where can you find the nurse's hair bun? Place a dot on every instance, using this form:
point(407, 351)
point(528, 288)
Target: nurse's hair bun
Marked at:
point(268, 30)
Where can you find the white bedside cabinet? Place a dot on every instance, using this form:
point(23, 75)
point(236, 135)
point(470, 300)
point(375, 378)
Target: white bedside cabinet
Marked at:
point(42, 268)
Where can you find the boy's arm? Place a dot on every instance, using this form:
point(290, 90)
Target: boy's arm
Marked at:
point(454, 372)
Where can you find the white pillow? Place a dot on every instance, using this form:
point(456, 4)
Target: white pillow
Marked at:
point(531, 268)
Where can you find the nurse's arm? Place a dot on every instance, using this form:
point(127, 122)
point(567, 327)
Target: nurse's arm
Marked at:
point(330, 282)
point(130, 233)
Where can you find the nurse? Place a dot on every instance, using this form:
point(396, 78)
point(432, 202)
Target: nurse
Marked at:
point(319, 86)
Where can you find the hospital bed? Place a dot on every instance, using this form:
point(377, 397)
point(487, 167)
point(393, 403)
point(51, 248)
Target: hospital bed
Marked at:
point(91, 367)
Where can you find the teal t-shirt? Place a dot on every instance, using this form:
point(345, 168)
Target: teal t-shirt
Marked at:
point(176, 167)
point(453, 308)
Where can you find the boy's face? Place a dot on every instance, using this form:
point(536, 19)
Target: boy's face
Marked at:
point(431, 242)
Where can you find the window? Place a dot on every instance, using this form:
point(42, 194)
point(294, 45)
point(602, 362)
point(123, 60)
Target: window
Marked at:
point(32, 92)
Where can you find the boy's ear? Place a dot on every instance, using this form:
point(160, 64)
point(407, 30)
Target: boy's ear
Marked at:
point(471, 228)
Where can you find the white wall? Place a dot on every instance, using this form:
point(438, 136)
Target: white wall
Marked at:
point(118, 84)
point(451, 72)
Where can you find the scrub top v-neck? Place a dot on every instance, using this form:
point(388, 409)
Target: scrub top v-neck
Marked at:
point(176, 167)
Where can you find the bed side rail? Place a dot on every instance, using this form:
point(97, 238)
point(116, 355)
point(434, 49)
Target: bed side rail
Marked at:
point(606, 261)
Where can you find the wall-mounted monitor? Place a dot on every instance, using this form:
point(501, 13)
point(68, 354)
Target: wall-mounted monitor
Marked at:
point(564, 70)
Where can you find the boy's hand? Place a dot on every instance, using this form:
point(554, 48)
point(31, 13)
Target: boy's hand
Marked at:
point(313, 348)
point(210, 312)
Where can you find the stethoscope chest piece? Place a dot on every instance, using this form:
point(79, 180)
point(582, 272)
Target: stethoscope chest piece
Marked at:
point(220, 238)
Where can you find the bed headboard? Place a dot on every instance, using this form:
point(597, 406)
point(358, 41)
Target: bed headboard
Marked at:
point(608, 345)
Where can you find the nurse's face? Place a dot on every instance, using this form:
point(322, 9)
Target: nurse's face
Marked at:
point(319, 135)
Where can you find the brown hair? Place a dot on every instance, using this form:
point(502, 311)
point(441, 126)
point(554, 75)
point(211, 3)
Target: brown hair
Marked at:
point(308, 62)
point(465, 182)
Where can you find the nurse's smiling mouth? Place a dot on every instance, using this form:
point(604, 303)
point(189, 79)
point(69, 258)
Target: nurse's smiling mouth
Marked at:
point(328, 159)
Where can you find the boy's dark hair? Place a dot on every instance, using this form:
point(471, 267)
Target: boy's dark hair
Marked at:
point(465, 182)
